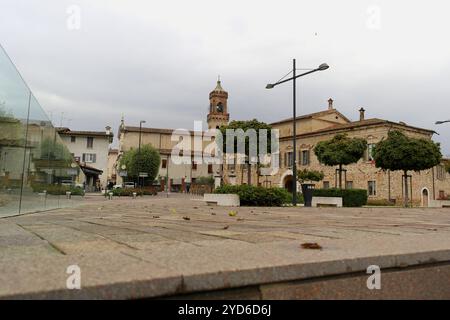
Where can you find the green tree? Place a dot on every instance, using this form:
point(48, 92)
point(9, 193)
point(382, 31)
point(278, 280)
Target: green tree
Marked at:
point(447, 165)
point(402, 153)
point(309, 175)
point(245, 126)
point(51, 149)
point(146, 160)
point(339, 151)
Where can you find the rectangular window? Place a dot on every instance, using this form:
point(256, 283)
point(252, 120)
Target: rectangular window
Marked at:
point(90, 142)
point(440, 172)
point(89, 157)
point(290, 159)
point(305, 157)
point(210, 168)
point(231, 167)
point(369, 155)
point(194, 165)
point(164, 163)
point(281, 159)
point(326, 184)
point(349, 185)
point(73, 139)
point(372, 188)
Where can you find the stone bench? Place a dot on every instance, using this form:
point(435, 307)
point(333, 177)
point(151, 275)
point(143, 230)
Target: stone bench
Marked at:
point(327, 202)
point(439, 204)
point(226, 200)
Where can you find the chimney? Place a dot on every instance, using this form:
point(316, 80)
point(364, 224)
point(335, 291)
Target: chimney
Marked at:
point(361, 114)
point(108, 130)
point(330, 104)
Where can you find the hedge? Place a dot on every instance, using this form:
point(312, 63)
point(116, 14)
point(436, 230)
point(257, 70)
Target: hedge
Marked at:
point(57, 189)
point(350, 197)
point(128, 192)
point(257, 196)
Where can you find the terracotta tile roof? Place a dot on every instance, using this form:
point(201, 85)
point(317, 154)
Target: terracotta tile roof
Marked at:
point(313, 115)
point(360, 124)
point(67, 131)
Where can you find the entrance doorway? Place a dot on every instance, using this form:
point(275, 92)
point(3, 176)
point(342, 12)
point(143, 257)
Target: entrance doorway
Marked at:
point(288, 183)
point(425, 197)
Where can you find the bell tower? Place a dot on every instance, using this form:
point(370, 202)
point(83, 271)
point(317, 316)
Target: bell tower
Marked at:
point(218, 110)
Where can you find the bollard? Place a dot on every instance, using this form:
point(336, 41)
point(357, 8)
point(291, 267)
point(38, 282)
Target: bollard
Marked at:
point(110, 194)
point(68, 194)
point(134, 195)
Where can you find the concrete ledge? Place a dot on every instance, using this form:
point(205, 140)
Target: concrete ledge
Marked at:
point(327, 201)
point(225, 200)
point(439, 204)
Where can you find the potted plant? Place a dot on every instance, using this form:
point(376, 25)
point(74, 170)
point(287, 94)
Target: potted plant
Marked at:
point(307, 188)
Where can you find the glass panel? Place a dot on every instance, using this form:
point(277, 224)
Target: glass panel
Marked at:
point(36, 168)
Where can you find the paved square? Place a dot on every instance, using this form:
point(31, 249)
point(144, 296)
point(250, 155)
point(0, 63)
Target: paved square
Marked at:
point(158, 246)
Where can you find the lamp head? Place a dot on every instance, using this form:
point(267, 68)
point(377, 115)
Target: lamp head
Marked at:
point(270, 86)
point(323, 66)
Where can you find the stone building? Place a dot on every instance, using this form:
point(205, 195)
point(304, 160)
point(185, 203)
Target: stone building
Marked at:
point(323, 125)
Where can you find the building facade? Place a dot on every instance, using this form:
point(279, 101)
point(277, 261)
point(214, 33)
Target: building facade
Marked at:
point(90, 149)
point(424, 186)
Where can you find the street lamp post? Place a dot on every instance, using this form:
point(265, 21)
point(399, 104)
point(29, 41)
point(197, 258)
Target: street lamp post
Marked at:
point(139, 152)
point(322, 67)
point(140, 133)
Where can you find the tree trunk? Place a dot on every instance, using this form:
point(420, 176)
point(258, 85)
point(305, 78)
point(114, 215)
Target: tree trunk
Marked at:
point(406, 200)
point(257, 174)
point(340, 176)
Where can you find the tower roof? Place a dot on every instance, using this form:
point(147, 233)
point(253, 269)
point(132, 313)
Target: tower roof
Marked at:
point(218, 87)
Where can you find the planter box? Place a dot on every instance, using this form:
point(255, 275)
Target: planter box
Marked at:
point(327, 202)
point(439, 204)
point(225, 200)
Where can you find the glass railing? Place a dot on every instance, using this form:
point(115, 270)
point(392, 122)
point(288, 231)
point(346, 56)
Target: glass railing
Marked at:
point(37, 171)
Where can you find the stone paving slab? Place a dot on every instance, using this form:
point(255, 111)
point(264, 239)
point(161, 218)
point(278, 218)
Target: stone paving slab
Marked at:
point(155, 246)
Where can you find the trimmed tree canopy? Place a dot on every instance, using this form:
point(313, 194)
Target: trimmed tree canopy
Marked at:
point(147, 160)
point(309, 175)
point(246, 125)
point(341, 150)
point(400, 152)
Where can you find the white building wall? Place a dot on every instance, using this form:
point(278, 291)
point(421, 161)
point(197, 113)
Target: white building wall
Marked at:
point(100, 149)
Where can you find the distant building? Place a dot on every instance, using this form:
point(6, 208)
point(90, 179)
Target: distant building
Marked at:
point(111, 168)
point(177, 175)
point(90, 149)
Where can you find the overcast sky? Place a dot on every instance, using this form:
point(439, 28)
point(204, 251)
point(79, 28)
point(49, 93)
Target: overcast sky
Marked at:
point(158, 60)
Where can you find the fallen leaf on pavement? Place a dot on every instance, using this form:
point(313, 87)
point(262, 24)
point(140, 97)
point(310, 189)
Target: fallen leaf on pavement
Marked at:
point(186, 218)
point(311, 245)
point(232, 213)
point(226, 227)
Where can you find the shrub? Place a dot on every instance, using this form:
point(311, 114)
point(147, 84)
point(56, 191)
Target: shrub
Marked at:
point(128, 192)
point(208, 180)
point(380, 202)
point(257, 196)
point(309, 175)
point(350, 197)
point(55, 189)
